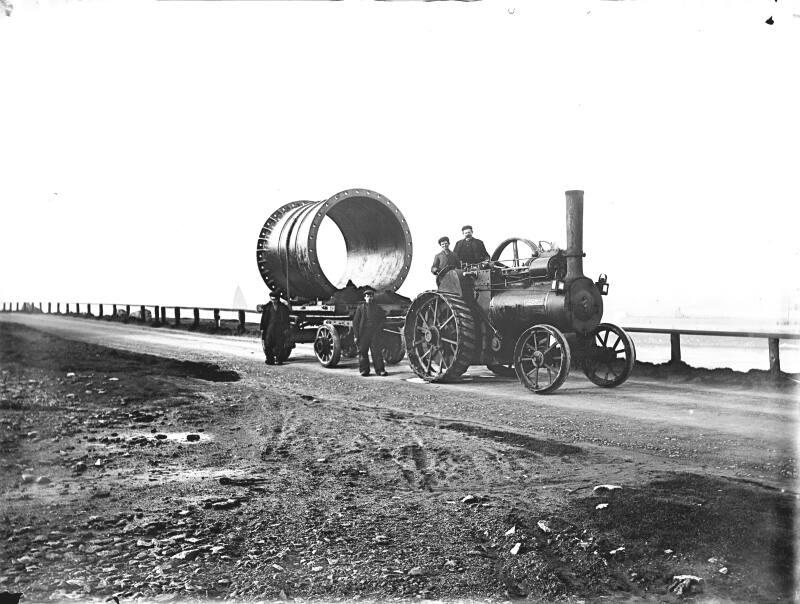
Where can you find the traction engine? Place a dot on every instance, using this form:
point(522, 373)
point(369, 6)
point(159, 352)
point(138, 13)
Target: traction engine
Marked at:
point(531, 315)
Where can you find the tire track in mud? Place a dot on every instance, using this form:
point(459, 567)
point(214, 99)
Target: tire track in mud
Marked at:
point(441, 460)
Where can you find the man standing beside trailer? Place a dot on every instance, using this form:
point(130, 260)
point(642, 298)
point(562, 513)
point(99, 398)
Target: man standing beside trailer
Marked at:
point(367, 327)
point(274, 329)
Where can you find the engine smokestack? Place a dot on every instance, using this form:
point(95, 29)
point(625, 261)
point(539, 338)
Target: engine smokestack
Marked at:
point(574, 235)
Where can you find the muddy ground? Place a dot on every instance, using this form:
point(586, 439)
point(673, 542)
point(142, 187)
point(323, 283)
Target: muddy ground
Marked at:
point(154, 479)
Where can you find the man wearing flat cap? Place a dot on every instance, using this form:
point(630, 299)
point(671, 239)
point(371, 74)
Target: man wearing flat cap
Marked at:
point(444, 260)
point(274, 329)
point(367, 328)
point(470, 250)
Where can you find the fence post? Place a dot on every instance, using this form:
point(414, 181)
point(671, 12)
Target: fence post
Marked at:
point(177, 316)
point(49, 308)
point(127, 312)
point(216, 318)
point(675, 348)
point(114, 310)
point(774, 356)
point(156, 316)
point(241, 321)
point(100, 311)
point(196, 323)
point(142, 311)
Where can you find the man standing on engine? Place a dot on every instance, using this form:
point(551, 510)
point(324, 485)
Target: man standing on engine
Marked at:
point(367, 328)
point(470, 250)
point(274, 329)
point(444, 260)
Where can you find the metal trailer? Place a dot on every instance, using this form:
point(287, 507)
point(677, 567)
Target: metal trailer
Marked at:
point(527, 315)
point(379, 252)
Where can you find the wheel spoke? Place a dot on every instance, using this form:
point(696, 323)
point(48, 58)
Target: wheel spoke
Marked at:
point(449, 341)
point(549, 348)
point(450, 318)
point(619, 339)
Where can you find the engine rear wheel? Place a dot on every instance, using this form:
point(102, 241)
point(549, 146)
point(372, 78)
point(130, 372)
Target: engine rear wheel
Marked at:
point(328, 346)
point(440, 337)
point(542, 359)
point(610, 356)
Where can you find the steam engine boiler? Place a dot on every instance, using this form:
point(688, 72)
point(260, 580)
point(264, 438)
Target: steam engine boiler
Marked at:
point(526, 315)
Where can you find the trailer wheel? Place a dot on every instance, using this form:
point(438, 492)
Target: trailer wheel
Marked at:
point(393, 349)
point(542, 359)
point(440, 338)
point(610, 356)
point(286, 352)
point(328, 346)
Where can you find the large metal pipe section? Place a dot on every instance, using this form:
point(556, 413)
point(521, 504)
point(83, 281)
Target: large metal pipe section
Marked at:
point(376, 237)
point(574, 235)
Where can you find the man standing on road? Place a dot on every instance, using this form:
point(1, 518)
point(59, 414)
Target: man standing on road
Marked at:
point(367, 328)
point(444, 260)
point(470, 250)
point(274, 329)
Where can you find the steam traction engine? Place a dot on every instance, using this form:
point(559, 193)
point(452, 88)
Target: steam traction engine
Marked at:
point(525, 316)
point(379, 251)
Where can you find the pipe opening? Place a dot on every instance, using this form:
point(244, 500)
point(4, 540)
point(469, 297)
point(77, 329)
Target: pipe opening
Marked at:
point(375, 242)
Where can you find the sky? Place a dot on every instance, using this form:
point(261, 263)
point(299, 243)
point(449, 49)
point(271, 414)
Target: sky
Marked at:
point(144, 144)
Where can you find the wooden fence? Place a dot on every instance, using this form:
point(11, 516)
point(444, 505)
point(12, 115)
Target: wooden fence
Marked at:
point(158, 317)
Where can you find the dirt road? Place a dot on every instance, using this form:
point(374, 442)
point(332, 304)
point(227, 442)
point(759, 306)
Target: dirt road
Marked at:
point(309, 482)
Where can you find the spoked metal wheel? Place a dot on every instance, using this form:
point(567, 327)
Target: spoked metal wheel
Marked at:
point(328, 346)
point(392, 349)
point(440, 336)
point(502, 369)
point(286, 352)
point(529, 251)
point(610, 356)
point(542, 358)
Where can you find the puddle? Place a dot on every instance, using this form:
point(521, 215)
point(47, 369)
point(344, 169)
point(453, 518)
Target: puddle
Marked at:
point(179, 474)
point(131, 436)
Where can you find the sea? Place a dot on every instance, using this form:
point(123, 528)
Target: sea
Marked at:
point(713, 352)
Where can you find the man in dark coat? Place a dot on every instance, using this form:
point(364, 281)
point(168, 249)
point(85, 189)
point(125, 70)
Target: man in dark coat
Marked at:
point(274, 329)
point(367, 328)
point(444, 260)
point(470, 250)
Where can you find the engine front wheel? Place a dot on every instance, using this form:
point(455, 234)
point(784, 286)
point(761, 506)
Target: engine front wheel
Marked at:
point(542, 359)
point(610, 356)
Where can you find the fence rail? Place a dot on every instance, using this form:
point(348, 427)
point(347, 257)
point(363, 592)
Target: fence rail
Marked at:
point(159, 317)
